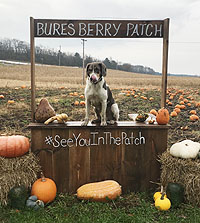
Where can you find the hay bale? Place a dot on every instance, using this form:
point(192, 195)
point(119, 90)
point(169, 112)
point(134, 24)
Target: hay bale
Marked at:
point(183, 171)
point(17, 171)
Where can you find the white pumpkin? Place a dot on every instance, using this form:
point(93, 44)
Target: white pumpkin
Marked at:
point(185, 149)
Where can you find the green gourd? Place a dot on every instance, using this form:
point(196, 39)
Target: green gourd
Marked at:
point(175, 192)
point(34, 203)
point(17, 197)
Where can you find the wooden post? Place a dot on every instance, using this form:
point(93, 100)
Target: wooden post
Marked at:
point(165, 62)
point(32, 40)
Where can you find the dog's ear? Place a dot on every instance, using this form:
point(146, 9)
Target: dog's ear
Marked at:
point(87, 68)
point(103, 69)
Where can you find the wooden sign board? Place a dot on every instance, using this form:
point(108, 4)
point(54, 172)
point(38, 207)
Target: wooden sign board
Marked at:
point(48, 28)
point(98, 28)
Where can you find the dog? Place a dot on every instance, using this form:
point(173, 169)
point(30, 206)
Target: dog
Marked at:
point(99, 95)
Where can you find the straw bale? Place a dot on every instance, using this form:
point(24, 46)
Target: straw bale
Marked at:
point(17, 171)
point(183, 171)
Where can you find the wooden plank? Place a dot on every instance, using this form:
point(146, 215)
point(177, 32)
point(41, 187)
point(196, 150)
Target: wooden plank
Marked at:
point(60, 161)
point(79, 158)
point(98, 28)
point(32, 44)
point(42, 150)
point(77, 124)
point(165, 62)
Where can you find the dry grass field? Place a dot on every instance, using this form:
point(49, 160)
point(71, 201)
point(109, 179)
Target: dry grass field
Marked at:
point(72, 77)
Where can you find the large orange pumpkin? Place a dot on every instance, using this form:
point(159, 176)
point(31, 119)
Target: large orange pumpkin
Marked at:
point(162, 117)
point(13, 146)
point(99, 191)
point(45, 189)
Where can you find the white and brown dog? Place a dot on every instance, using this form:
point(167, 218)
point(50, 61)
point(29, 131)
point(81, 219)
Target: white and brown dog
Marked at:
point(98, 94)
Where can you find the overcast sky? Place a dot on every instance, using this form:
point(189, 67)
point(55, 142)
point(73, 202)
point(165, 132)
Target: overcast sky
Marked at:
point(184, 33)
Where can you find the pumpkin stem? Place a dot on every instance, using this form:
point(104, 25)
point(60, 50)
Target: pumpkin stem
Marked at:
point(162, 196)
point(161, 191)
point(42, 177)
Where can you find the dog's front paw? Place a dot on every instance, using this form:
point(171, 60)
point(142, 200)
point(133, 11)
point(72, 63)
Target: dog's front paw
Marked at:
point(85, 123)
point(103, 123)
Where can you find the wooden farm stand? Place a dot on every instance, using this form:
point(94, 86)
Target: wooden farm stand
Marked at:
point(127, 152)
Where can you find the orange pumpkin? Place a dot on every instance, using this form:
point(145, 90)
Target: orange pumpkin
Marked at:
point(193, 112)
point(99, 191)
point(76, 103)
point(177, 110)
point(173, 114)
point(45, 189)
point(82, 103)
point(194, 118)
point(13, 146)
point(153, 112)
point(162, 117)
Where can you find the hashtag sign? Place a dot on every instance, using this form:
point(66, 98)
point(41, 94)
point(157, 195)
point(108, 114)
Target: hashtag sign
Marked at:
point(48, 140)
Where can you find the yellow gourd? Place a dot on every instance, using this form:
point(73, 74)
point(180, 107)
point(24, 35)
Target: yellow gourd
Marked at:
point(158, 194)
point(163, 203)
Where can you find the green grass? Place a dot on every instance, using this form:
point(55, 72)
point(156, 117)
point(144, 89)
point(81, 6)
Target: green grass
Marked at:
point(136, 208)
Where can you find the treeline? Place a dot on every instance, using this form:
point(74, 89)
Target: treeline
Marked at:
point(16, 50)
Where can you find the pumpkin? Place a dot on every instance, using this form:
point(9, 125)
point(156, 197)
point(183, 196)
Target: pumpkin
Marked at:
point(17, 197)
point(162, 117)
point(193, 112)
point(177, 110)
point(34, 203)
point(175, 192)
point(82, 103)
point(45, 189)
point(185, 149)
point(99, 191)
point(173, 114)
point(153, 112)
point(194, 118)
point(163, 203)
point(13, 146)
point(76, 103)
point(158, 194)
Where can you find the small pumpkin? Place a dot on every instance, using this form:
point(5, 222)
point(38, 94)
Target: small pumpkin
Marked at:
point(45, 189)
point(99, 191)
point(186, 149)
point(162, 117)
point(153, 112)
point(173, 114)
point(175, 192)
point(194, 118)
point(13, 146)
point(17, 196)
point(158, 194)
point(163, 203)
point(34, 203)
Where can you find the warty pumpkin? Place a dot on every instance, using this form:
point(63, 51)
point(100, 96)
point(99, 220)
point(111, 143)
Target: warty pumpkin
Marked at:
point(13, 146)
point(162, 117)
point(45, 189)
point(99, 191)
point(162, 203)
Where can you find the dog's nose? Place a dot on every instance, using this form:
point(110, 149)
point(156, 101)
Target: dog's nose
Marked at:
point(93, 78)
